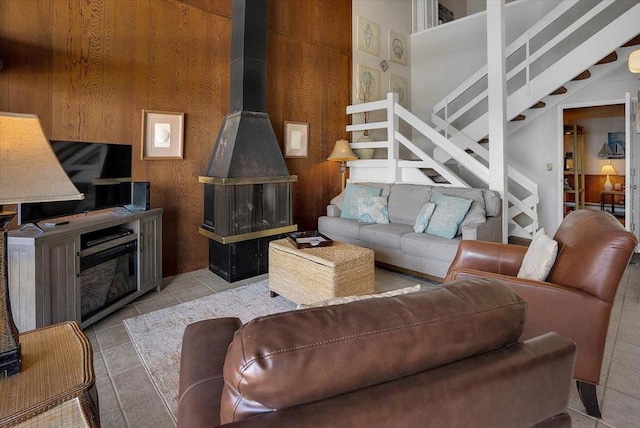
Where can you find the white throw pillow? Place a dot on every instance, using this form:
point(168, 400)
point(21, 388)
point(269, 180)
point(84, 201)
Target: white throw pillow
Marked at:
point(347, 299)
point(539, 258)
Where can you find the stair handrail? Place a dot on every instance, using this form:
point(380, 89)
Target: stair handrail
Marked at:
point(520, 42)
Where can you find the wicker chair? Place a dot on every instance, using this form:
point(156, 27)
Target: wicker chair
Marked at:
point(576, 299)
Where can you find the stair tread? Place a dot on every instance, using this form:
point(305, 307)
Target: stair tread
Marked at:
point(561, 90)
point(539, 104)
point(518, 118)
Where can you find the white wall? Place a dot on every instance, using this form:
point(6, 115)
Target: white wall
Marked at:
point(389, 15)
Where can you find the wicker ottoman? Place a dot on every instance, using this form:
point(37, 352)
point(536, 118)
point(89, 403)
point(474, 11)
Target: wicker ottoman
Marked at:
point(56, 387)
point(313, 274)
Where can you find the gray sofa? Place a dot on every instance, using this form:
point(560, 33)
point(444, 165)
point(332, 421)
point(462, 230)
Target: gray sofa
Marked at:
point(397, 244)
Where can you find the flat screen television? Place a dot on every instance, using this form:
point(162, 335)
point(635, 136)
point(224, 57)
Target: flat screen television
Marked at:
point(97, 170)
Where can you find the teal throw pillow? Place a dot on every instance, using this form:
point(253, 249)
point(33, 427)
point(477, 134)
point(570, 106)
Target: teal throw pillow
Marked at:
point(423, 217)
point(373, 209)
point(351, 194)
point(448, 215)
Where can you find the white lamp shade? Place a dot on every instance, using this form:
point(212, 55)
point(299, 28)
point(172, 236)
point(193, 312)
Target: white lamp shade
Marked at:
point(342, 152)
point(29, 169)
point(634, 61)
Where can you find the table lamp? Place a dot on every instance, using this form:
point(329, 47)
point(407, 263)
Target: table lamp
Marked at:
point(29, 172)
point(608, 169)
point(342, 153)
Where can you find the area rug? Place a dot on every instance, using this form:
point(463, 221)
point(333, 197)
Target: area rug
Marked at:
point(157, 336)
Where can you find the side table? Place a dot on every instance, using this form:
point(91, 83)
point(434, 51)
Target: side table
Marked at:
point(56, 386)
point(612, 195)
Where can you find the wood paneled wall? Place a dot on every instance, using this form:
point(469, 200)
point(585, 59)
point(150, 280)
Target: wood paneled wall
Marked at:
point(89, 67)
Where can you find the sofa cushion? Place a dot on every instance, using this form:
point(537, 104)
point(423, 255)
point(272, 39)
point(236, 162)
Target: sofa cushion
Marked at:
point(448, 215)
point(373, 209)
point(427, 246)
point(384, 235)
point(405, 202)
point(476, 213)
point(539, 258)
point(345, 228)
point(339, 199)
point(351, 194)
point(422, 221)
point(492, 202)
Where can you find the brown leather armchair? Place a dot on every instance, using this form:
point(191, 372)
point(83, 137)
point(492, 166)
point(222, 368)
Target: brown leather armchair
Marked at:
point(448, 357)
point(576, 299)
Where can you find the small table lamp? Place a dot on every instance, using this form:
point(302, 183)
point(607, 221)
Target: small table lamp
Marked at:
point(29, 172)
point(608, 169)
point(342, 153)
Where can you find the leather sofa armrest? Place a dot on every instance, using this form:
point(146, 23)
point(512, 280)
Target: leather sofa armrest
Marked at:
point(490, 230)
point(484, 256)
point(204, 348)
point(563, 309)
point(333, 211)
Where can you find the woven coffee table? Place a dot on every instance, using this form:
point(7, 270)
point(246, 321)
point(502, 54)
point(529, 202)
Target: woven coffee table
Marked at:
point(311, 275)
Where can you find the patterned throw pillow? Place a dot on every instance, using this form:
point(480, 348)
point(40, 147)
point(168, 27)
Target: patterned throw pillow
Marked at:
point(351, 194)
point(539, 258)
point(423, 217)
point(448, 215)
point(373, 209)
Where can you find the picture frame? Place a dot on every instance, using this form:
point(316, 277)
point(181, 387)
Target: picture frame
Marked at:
point(398, 49)
point(162, 135)
point(296, 139)
point(368, 36)
point(368, 83)
point(400, 86)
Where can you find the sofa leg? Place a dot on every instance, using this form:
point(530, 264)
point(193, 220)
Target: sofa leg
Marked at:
point(587, 392)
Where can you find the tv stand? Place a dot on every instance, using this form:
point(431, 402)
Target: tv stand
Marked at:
point(45, 269)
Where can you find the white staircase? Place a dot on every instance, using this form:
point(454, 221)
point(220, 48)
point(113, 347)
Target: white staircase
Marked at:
point(569, 40)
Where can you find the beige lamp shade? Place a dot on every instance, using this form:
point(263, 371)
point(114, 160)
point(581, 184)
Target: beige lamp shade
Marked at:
point(608, 169)
point(342, 152)
point(634, 61)
point(29, 169)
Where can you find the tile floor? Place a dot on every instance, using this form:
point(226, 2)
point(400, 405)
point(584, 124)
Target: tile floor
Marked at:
point(128, 398)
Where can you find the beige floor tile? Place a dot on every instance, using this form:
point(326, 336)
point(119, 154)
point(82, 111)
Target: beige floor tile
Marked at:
point(254, 279)
point(627, 354)
point(628, 334)
point(99, 369)
point(183, 284)
point(624, 379)
point(193, 293)
point(142, 406)
point(121, 358)
point(110, 411)
point(620, 410)
point(631, 318)
point(116, 317)
point(162, 301)
point(112, 336)
point(578, 420)
point(222, 285)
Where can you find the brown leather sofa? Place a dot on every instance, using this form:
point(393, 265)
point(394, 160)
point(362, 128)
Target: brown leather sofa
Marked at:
point(448, 357)
point(576, 299)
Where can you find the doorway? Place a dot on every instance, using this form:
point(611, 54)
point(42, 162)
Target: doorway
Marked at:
point(598, 152)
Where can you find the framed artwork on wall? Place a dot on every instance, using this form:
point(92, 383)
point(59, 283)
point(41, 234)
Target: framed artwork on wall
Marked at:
point(368, 83)
point(368, 36)
point(400, 86)
point(296, 139)
point(162, 135)
point(397, 48)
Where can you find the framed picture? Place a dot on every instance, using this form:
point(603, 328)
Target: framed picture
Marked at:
point(397, 48)
point(162, 135)
point(368, 36)
point(368, 83)
point(614, 148)
point(399, 85)
point(296, 139)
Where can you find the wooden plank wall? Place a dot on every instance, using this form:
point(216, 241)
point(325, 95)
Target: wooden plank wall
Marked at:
point(89, 67)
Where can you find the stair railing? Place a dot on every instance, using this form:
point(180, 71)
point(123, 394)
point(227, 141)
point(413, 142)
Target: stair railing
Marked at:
point(392, 169)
